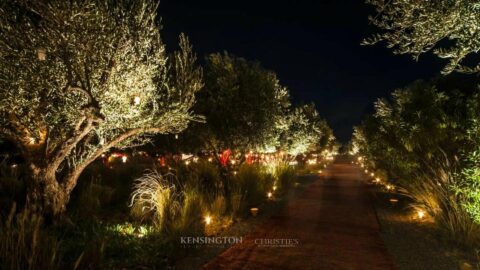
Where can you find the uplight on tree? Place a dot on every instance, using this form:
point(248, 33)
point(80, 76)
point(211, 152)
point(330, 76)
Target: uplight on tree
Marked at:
point(420, 213)
point(208, 220)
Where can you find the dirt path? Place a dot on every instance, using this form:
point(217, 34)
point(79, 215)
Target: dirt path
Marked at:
point(333, 221)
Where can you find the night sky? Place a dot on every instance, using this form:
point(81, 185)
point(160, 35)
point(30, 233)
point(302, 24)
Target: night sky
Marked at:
point(312, 45)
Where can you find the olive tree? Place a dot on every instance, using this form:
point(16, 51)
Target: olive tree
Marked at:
point(451, 28)
point(243, 104)
point(80, 77)
point(305, 131)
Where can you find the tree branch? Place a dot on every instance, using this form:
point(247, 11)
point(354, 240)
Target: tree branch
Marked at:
point(71, 179)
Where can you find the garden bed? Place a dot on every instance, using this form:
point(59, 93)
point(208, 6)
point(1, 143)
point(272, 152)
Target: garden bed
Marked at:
point(196, 258)
point(415, 243)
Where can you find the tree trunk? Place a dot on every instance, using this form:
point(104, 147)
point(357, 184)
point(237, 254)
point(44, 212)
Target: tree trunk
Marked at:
point(227, 192)
point(44, 194)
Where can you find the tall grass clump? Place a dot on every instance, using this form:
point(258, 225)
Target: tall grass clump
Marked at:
point(285, 175)
point(12, 186)
point(156, 197)
point(189, 220)
point(445, 207)
point(26, 245)
point(253, 182)
point(204, 177)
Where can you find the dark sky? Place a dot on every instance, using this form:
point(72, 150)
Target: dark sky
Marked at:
point(312, 45)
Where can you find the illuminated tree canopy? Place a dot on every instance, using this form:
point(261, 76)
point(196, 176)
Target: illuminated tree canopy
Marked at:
point(80, 77)
point(241, 102)
point(426, 139)
point(451, 28)
point(305, 131)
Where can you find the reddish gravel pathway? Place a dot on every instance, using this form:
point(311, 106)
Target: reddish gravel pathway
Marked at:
point(333, 221)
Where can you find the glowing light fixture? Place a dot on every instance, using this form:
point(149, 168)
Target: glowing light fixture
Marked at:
point(136, 100)
point(254, 211)
point(269, 195)
point(312, 161)
point(420, 213)
point(124, 159)
point(274, 188)
point(208, 220)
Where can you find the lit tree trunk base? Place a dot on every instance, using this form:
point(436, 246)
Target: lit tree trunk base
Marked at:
point(46, 196)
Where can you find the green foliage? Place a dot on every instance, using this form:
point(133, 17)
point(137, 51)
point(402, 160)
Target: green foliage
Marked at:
point(415, 27)
point(426, 139)
point(190, 220)
point(114, 246)
point(305, 130)
point(285, 175)
point(79, 78)
point(241, 102)
point(202, 176)
point(253, 183)
point(247, 109)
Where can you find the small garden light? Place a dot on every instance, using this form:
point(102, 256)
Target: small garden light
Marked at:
point(420, 213)
point(208, 220)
